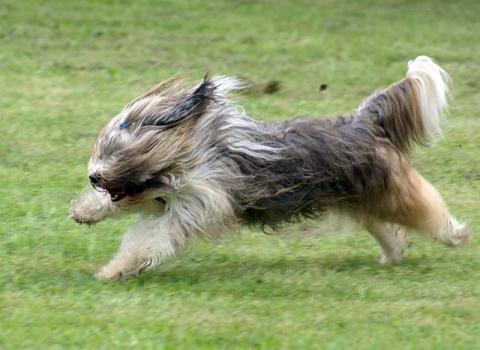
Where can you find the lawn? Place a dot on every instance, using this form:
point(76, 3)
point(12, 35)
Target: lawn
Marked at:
point(66, 67)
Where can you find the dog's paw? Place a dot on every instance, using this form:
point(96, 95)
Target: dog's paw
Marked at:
point(106, 273)
point(458, 234)
point(80, 216)
point(109, 272)
point(460, 237)
point(391, 259)
point(86, 210)
point(81, 220)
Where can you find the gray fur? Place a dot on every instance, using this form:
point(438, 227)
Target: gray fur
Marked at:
point(192, 163)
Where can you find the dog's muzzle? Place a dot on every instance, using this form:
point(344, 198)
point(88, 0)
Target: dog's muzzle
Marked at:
point(116, 192)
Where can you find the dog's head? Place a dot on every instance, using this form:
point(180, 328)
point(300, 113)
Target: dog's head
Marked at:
point(151, 141)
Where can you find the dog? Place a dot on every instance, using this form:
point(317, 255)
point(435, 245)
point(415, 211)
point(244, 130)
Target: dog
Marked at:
point(192, 163)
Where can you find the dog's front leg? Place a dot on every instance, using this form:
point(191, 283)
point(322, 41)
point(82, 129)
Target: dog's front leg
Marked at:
point(202, 208)
point(92, 206)
point(146, 244)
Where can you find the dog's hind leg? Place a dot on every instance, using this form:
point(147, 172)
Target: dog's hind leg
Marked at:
point(417, 205)
point(428, 213)
point(391, 238)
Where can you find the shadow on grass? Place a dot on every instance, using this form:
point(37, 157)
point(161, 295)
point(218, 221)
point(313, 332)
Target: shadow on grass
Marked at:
point(235, 276)
point(264, 271)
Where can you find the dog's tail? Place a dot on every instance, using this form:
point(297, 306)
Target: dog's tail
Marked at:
point(411, 110)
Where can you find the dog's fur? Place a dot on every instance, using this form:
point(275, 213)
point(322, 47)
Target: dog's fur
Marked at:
point(192, 163)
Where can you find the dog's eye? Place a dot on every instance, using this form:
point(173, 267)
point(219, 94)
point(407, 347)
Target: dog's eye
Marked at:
point(117, 154)
point(161, 200)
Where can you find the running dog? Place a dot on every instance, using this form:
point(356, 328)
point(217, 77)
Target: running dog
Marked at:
point(192, 163)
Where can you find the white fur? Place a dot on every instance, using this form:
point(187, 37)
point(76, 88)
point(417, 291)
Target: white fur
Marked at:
point(225, 84)
point(391, 238)
point(92, 206)
point(238, 133)
point(455, 233)
point(146, 244)
point(95, 166)
point(433, 87)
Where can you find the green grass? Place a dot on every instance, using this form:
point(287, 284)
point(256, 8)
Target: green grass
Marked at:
point(66, 67)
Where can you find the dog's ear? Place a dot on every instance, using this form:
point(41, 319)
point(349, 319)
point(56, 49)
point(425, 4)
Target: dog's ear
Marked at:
point(191, 106)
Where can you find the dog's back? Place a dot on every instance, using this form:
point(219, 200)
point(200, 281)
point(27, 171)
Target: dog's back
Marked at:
point(337, 163)
point(355, 163)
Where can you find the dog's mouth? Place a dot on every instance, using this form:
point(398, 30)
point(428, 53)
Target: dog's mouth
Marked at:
point(118, 191)
point(117, 194)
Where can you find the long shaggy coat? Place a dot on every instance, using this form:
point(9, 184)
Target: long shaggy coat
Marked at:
point(193, 163)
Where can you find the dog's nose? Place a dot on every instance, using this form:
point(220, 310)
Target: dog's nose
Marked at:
point(93, 179)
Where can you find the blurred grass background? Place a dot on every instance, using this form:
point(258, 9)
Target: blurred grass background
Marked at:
point(66, 67)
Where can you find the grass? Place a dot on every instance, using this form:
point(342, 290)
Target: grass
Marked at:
point(67, 67)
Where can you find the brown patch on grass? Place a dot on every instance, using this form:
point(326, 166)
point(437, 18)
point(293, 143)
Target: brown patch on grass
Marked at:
point(263, 88)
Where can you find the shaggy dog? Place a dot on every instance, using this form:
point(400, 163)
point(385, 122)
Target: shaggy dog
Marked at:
point(192, 163)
